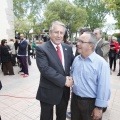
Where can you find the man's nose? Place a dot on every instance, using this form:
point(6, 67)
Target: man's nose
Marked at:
point(78, 43)
point(59, 34)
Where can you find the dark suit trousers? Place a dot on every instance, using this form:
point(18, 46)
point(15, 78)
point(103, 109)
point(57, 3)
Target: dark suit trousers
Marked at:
point(23, 61)
point(81, 109)
point(7, 68)
point(111, 61)
point(47, 110)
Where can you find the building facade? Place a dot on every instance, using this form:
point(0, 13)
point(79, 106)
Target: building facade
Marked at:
point(6, 20)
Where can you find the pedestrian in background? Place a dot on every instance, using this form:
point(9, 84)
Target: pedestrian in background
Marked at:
point(102, 47)
point(114, 49)
point(22, 54)
point(34, 49)
point(7, 67)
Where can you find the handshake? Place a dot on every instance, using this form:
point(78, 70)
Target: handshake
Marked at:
point(10, 51)
point(69, 81)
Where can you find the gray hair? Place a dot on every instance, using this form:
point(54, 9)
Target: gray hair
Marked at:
point(100, 31)
point(93, 38)
point(57, 23)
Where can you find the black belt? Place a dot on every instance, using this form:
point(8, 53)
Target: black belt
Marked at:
point(83, 98)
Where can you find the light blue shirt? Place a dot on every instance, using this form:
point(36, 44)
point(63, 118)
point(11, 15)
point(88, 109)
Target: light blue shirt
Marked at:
point(92, 78)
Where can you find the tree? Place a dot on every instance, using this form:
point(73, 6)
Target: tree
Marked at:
point(114, 7)
point(27, 8)
point(69, 14)
point(23, 25)
point(96, 10)
point(28, 14)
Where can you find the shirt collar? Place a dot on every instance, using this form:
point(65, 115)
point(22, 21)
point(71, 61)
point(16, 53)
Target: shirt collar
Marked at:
point(91, 57)
point(56, 45)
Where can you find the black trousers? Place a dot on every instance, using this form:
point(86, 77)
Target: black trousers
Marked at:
point(81, 108)
point(47, 110)
point(13, 57)
point(111, 61)
point(23, 61)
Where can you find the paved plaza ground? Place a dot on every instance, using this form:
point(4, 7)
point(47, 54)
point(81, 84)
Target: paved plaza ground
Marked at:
point(17, 97)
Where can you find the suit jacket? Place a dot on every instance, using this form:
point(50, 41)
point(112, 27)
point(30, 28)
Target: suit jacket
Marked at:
point(103, 48)
point(22, 49)
point(53, 77)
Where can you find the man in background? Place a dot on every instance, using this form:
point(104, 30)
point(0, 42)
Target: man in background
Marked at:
point(22, 54)
point(102, 47)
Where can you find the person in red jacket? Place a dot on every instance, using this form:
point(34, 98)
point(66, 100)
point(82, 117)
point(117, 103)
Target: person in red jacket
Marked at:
point(114, 47)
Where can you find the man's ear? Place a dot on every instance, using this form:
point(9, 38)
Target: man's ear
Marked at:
point(92, 46)
point(50, 33)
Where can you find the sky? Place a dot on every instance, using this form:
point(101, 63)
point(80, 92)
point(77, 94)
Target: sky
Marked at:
point(109, 25)
point(110, 19)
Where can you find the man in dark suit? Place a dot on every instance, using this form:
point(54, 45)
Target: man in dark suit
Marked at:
point(54, 59)
point(22, 54)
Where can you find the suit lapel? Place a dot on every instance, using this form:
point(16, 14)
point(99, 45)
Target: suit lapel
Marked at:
point(101, 42)
point(54, 54)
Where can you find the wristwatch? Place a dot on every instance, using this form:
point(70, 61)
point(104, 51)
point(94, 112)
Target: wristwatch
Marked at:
point(100, 108)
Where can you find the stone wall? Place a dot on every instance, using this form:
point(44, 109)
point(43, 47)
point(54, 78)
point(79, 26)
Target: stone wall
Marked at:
point(6, 20)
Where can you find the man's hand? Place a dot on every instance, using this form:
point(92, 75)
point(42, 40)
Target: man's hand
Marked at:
point(69, 81)
point(96, 114)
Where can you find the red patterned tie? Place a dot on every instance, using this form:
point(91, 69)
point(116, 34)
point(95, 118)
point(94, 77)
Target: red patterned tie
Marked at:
point(59, 52)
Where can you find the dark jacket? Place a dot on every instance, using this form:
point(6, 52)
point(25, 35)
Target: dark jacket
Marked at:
point(53, 76)
point(5, 55)
point(22, 49)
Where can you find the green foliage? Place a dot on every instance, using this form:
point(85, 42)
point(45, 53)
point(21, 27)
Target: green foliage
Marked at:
point(69, 14)
point(96, 10)
point(23, 25)
point(27, 15)
point(27, 8)
point(114, 7)
point(116, 35)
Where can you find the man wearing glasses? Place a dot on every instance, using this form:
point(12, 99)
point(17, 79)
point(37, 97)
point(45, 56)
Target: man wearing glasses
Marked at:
point(91, 75)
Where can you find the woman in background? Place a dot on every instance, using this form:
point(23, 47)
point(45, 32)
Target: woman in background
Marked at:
point(114, 47)
point(6, 58)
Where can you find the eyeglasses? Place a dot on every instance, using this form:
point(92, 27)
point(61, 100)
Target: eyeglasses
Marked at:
point(80, 41)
